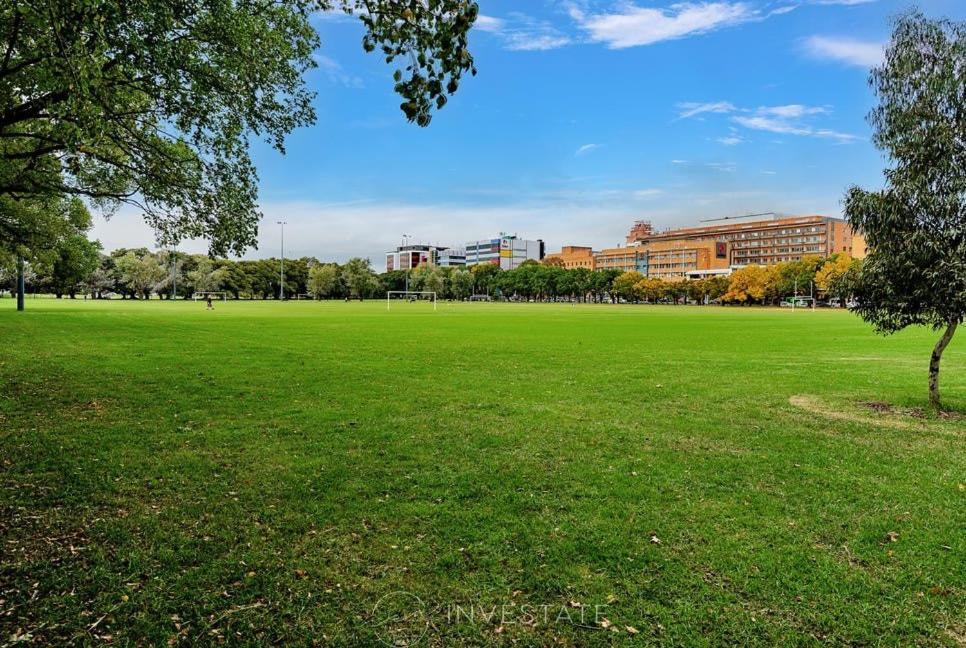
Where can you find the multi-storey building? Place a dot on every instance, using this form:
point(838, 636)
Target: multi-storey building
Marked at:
point(624, 259)
point(574, 256)
point(694, 252)
point(451, 258)
point(668, 260)
point(407, 257)
point(508, 251)
point(763, 242)
point(673, 260)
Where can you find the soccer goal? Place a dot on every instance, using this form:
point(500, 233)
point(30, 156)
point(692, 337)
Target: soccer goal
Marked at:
point(304, 296)
point(410, 295)
point(222, 296)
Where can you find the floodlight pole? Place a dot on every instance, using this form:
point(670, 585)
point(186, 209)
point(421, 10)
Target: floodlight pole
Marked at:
point(281, 272)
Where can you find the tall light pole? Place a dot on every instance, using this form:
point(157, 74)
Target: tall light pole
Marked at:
point(281, 272)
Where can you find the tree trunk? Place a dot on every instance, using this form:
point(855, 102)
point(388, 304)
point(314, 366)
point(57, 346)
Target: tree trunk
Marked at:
point(937, 354)
point(20, 283)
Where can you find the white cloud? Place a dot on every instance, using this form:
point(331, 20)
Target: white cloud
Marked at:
point(587, 148)
point(632, 26)
point(489, 23)
point(843, 138)
point(845, 50)
point(791, 111)
point(770, 124)
point(336, 73)
point(340, 231)
point(848, 3)
point(520, 32)
point(534, 41)
point(337, 231)
point(787, 119)
point(690, 108)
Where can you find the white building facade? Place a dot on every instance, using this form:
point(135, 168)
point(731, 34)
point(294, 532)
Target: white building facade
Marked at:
point(508, 252)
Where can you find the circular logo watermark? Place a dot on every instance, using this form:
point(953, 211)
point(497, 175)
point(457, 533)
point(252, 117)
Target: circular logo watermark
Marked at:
point(400, 619)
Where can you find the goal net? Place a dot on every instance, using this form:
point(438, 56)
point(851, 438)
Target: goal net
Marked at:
point(410, 296)
point(223, 296)
point(304, 296)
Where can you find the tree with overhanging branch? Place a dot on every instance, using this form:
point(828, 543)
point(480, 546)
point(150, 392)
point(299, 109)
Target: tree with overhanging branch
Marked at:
point(915, 227)
point(153, 103)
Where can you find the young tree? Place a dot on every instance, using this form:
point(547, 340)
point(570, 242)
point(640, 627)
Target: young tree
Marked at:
point(581, 280)
point(484, 277)
point(323, 278)
point(461, 283)
point(837, 277)
point(747, 285)
point(140, 273)
point(915, 272)
point(717, 286)
point(154, 103)
point(75, 259)
point(626, 285)
point(174, 279)
point(359, 278)
point(206, 277)
point(99, 282)
point(651, 289)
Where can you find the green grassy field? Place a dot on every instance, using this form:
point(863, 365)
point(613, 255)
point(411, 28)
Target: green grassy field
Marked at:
point(268, 472)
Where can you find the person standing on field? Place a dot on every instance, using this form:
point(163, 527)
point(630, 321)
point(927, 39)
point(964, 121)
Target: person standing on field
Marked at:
point(210, 305)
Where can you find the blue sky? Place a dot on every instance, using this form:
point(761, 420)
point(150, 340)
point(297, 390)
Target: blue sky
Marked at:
point(585, 115)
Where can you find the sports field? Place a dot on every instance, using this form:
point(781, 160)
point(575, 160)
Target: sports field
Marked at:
point(529, 474)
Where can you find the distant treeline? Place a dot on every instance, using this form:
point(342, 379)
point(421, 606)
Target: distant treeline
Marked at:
point(142, 274)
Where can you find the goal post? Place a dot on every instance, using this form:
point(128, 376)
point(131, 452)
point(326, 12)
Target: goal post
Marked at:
point(411, 294)
point(304, 296)
point(223, 296)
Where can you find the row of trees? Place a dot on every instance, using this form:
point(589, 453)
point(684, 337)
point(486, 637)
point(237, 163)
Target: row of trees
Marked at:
point(531, 281)
point(76, 266)
point(835, 277)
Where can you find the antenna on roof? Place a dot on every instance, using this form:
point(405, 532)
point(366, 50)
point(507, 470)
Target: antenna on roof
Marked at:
point(711, 220)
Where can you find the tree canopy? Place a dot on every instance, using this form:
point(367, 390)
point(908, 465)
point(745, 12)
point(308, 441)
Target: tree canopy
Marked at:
point(153, 102)
point(915, 227)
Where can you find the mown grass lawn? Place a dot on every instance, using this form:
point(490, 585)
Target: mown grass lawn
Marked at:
point(268, 472)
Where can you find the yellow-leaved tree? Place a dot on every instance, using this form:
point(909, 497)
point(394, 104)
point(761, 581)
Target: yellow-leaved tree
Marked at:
point(748, 285)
